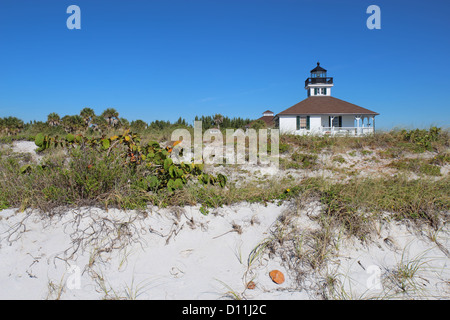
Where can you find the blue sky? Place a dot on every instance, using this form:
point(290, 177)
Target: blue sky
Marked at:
point(170, 58)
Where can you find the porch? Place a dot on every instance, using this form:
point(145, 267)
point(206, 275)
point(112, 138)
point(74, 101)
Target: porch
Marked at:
point(350, 125)
point(328, 124)
point(346, 131)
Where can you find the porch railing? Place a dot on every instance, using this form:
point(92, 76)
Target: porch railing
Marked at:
point(351, 131)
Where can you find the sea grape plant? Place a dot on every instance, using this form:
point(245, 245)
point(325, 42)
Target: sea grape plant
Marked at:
point(159, 169)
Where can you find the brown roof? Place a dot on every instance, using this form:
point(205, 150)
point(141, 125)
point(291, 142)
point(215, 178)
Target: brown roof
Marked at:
point(326, 105)
point(267, 119)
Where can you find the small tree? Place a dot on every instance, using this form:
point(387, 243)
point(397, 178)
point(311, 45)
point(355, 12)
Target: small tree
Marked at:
point(11, 125)
point(99, 124)
point(111, 116)
point(138, 125)
point(53, 119)
point(258, 124)
point(218, 119)
point(124, 123)
point(72, 123)
point(88, 115)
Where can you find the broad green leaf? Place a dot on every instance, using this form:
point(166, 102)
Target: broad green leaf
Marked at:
point(39, 140)
point(171, 171)
point(70, 137)
point(105, 143)
point(178, 184)
point(25, 168)
point(167, 163)
point(153, 182)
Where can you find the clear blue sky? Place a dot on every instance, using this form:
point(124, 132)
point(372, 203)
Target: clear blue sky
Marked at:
point(169, 58)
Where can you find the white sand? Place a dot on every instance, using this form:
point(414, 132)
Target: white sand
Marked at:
point(27, 147)
point(198, 261)
point(24, 146)
point(181, 254)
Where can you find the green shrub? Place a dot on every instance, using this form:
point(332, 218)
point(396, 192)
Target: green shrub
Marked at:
point(340, 159)
point(366, 152)
point(307, 161)
point(417, 166)
point(283, 147)
point(441, 159)
point(422, 138)
point(121, 173)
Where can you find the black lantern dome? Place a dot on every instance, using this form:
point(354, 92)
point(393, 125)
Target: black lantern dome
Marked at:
point(318, 76)
point(318, 72)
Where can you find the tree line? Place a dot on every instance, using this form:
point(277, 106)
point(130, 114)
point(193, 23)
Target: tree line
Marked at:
point(87, 119)
point(223, 122)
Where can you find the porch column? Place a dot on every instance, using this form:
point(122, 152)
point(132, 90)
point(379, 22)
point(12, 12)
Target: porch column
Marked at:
point(373, 124)
point(331, 125)
point(357, 118)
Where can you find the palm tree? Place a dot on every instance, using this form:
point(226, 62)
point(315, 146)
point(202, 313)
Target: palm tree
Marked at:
point(88, 115)
point(53, 119)
point(11, 125)
point(99, 124)
point(72, 123)
point(218, 119)
point(138, 125)
point(124, 123)
point(111, 116)
point(77, 122)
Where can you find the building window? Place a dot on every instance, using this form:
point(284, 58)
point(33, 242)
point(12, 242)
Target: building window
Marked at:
point(337, 122)
point(320, 91)
point(303, 122)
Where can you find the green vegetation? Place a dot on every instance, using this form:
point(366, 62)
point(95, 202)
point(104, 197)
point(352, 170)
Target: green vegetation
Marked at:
point(339, 159)
point(393, 142)
point(108, 123)
point(299, 161)
point(422, 138)
point(112, 171)
point(106, 161)
point(418, 166)
point(258, 124)
point(366, 152)
point(11, 126)
point(441, 159)
point(96, 160)
point(222, 122)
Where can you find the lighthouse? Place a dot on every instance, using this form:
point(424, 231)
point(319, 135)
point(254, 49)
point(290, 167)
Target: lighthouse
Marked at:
point(318, 84)
point(322, 114)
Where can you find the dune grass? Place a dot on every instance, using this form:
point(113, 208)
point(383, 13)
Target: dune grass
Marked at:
point(346, 207)
point(87, 177)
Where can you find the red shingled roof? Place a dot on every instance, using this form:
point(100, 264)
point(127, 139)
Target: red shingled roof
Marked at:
point(268, 120)
point(326, 105)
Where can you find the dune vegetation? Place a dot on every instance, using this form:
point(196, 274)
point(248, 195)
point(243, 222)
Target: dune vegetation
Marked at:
point(355, 183)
